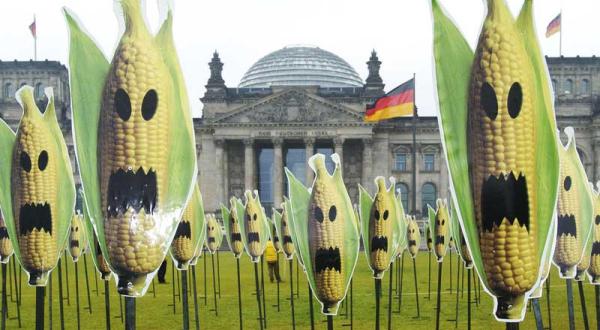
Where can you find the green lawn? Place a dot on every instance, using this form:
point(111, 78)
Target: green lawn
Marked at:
point(157, 312)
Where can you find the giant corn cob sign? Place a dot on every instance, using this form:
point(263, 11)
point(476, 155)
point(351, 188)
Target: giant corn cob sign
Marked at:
point(187, 238)
point(77, 237)
point(594, 269)
point(135, 144)
point(231, 222)
point(498, 131)
point(99, 262)
point(461, 248)
point(575, 209)
point(381, 219)
point(325, 232)
point(37, 188)
point(6, 249)
point(282, 227)
point(255, 229)
point(439, 222)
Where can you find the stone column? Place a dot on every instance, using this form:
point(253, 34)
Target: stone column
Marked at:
point(219, 163)
point(277, 172)
point(596, 160)
point(338, 147)
point(367, 160)
point(249, 164)
point(309, 149)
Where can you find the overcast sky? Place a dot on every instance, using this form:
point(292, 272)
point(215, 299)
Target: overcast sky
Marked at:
point(243, 31)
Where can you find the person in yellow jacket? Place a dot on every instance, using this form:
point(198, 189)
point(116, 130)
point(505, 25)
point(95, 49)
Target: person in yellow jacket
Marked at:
point(272, 261)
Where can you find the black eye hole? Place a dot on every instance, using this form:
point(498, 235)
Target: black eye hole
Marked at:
point(386, 214)
point(76, 228)
point(149, 104)
point(248, 217)
point(122, 104)
point(25, 161)
point(567, 183)
point(43, 160)
point(443, 222)
point(319, 214)
point(377, 215)
point(254, 217)
point(597, 220)
point(515, 100)
point(488, 101)
point(332, 213)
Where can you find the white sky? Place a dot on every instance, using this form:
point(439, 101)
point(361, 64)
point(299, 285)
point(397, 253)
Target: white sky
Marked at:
point(245, 30)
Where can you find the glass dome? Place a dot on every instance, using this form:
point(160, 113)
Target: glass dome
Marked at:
point(301, 66)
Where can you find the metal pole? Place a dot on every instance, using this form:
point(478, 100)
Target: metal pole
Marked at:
point(237, 263)
point(416, 287)
point(218, 275)
point(39, 307)
point(539, 324)
point(377, 298)
point(570, 304)
point(77, 296)
point(49, 301)
point(329, 322)
point(173, 286)
point(469, 299)
point(258, 295)
point(196, 297)
point(184, 293)
point(583, 306)
point(214, 284)
point(87, 283)
point(291, 262)
point(548, 303)
point(60, 298)
point(4, 302)
point(129, 313)
point(262, 280)
point(67, 282)
point(310, 304)
point(429, 278)
point(439, 291)
point(389, 323)
point(107, 304)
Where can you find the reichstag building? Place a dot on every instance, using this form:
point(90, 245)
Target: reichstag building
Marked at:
point(297, 101)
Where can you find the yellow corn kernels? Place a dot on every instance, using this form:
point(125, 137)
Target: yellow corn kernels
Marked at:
point(442, 223)
point(134, 123)
point(594, 268)
point(501, 142)
point(182, 247)
point(413, 236)
point(380, 228)
point(77, 240)
point(237, 247)
point(252, 225)
point(325, 231)
point(6, 248)
point(211, 232)
point(288, 246)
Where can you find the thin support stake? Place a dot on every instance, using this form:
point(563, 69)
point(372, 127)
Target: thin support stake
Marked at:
point(173, 286)
point(67, 282)
point(597, 294)
point(539, 323)
point(457, 285)
point(107, 304)
point(583, 305)
point(197, 317)
point(417, 287)
point(439, 291)
point(87, 283)
point(262, 281)
point(469, 299)
point(237, 263)
point(310, 304)
point(184, 293)
point(60, 298)
point(291, 262)
point(49, 301)
point(214, 280)
point(429, 278)
point(329, 322)
point(39, 307)
point(258, 295)
point(389, 315)
point(450, 254)
point(218, 275)
point(377, 302)
point(205, 288)
point(4, 303)
point(129, 313)
point(570, 304)
point(77, 295)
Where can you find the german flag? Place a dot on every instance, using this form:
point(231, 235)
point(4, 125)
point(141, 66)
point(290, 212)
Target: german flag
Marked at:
point(554, 26)
point(399, 102)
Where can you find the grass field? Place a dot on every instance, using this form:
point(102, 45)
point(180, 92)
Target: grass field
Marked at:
point(157, 312)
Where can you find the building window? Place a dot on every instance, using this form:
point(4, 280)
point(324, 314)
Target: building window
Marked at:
point(400, 163)
point(402, 189)
point(585, 86)
point(8, 91)
point(555, 85)
point(569, 86)
point(265, 177)
point(295, 161)
point(38, 91)
point(429, 162)
point(428, 196)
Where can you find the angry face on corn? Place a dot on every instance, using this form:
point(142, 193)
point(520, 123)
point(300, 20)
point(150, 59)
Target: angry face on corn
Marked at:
point(380, 227)
point(288, 246)
point(182, 247)
point(253, 217)
point(441, 226)
point(234, 226)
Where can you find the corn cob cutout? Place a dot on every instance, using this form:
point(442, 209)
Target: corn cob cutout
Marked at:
point(187, 237)
point(414, 236)
point(574, 210)
point(212, 233)
point(380, 217)
point(594, 269)
point(255, 230)
point(282, 227)
point(439, 221)
point(99, 262)
point(133, 132)
point(231, 222)
point(77, 237)
point(429, 239)
point(6, 249)
point(462, 249)
point(274, 234)
point(38, 195)
point(498, 127)
point(325, 232)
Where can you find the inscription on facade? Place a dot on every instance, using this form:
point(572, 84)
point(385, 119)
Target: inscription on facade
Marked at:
point(289, 134)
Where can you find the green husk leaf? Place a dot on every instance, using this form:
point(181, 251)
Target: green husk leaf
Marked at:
point(287, 205)
point(7, 143)
point(365, 205)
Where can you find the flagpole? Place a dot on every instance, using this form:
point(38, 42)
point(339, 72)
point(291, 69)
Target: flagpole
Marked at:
point(414, 148)
point(35, 40)
point(560, 35)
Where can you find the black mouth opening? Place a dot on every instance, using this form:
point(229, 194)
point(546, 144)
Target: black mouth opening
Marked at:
point(287, 239)
point(379, 243)
point(502, 197)
point(566, 225)
point(3, 233)
point(440, 239)
point(253, 237)
point(596, 248)
point(128, 189)
point(35, 216)
point(211, 240)
point(328, 258)
point(236, 237)
point(275, 239)
point(412, 242)
point(74, 243)
point(183, 230)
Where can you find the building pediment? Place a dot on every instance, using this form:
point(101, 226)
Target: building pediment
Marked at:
point(291, 106)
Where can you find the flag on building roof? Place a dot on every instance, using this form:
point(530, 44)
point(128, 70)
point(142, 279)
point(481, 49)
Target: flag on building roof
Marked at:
point(554, 26)
point(399, 102)
point(32, 28)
